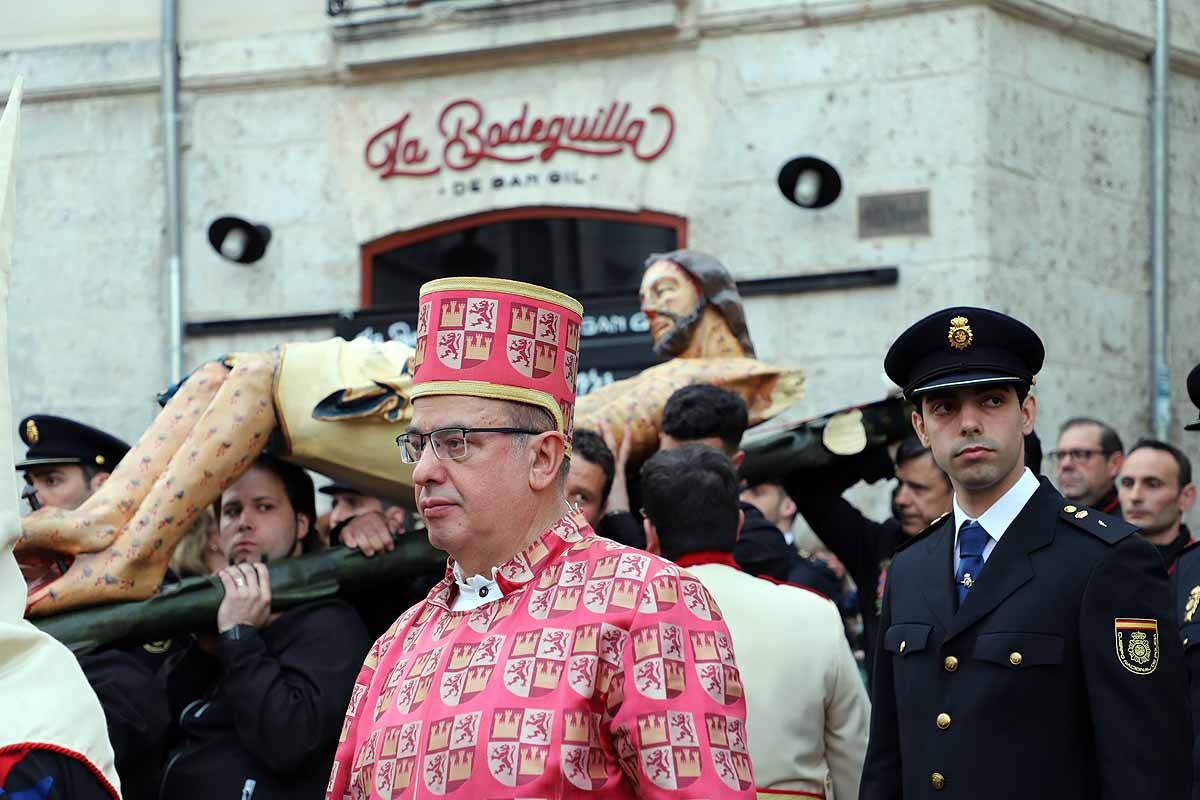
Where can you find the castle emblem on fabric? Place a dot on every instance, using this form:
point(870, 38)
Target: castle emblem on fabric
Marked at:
point(730, 755)
point(670, 749)
point(533, 340)
point(466, 329)
point(520, 744)
point(961, 337)
point(571, 357)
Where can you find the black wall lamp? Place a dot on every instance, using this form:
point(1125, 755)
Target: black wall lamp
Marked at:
point(809, 182)
point(238, 240)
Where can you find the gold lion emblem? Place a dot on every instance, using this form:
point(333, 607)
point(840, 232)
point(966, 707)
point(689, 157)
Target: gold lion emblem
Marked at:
point(31, 432)
point(1193, 602)
point(960, 335)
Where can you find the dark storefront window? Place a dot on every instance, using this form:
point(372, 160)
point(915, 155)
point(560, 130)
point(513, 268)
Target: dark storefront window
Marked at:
point(593, 255)
point(576, 255)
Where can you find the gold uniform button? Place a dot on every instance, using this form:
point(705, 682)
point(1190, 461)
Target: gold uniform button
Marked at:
point(903, 645)
point(1070, 509)
point(951, 663)
point(1014, 658)
point(943, 721)
point(937, 780)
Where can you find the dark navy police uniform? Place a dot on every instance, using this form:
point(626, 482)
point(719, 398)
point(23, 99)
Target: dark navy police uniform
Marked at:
point(1186, 585)
point(1059, 674)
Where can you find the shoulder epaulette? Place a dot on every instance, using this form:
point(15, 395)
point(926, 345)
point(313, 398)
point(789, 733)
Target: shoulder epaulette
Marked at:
point(930, 528)
point(1103, 526)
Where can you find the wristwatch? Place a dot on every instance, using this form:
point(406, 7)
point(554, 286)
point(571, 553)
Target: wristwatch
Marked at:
point(239, 632)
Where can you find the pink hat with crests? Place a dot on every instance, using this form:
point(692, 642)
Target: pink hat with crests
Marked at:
point(499, 339)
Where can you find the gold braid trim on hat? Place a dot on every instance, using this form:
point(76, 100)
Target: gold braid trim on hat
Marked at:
point(495, 391)
point(503, 286)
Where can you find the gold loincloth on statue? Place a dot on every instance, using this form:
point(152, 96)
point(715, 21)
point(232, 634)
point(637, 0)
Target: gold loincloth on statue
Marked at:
point(341, 406)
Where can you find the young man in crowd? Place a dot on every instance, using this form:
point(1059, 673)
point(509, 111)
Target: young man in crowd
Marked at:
point(865, 546)
point(1088, 458)
point(807, 710)
point(998, 665)
point(549, 660)
point(267, 725)
point(704, 414)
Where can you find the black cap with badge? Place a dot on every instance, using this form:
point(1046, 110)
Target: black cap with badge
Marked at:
point(1193, 387)
point(964, 346)
point(57, 440)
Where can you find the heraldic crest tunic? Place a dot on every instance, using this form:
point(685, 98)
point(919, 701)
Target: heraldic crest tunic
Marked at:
point(600, 668)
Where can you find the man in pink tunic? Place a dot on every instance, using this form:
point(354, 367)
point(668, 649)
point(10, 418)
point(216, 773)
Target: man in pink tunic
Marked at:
point(550, 663)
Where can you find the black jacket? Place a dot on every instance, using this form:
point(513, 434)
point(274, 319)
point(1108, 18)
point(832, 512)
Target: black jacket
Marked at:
point(269, 728)
point(1053, 680)
point(1185, 581)
point(863, 545)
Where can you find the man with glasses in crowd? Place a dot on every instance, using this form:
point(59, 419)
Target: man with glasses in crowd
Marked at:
point(548, 658)
point(1088, 457)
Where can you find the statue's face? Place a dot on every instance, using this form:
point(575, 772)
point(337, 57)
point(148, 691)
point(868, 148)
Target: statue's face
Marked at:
point(672, 301)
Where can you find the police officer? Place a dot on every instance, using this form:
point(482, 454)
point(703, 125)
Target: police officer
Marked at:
point(1022, 649)
point(1186, 588)
point(67, 461)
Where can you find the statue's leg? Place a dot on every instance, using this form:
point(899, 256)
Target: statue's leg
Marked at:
point(91, 527)
point(229, 435)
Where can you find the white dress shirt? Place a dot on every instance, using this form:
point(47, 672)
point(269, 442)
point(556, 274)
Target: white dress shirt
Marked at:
point(474, 591)
point(1001, 514)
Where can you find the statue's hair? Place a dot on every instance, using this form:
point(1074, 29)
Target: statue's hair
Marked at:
point(718, 286)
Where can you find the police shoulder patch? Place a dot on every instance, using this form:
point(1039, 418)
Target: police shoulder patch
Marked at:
point(1137, 644)
point(1103, 526)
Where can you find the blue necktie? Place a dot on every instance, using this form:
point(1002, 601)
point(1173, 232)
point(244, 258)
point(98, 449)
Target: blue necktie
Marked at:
point(971, 540)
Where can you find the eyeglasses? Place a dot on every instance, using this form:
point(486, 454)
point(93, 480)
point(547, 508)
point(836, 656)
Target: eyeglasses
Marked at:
point(449, 444)
point(1075, 455)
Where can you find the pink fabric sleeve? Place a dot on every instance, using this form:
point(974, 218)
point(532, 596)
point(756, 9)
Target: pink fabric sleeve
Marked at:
point(343, 760)
point(675, 708)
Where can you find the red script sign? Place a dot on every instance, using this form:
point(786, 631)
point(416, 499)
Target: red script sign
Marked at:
point(468, 137)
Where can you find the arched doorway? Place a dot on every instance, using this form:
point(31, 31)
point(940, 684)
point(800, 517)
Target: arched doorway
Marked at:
point(595, 255)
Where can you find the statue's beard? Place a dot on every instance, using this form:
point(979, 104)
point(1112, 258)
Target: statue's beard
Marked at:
point(679, 335)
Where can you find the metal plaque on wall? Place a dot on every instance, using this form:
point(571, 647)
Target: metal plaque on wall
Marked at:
point(893, 214)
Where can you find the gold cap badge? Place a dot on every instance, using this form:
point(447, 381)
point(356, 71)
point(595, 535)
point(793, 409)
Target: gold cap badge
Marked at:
point(960, 335)
point(31, 432)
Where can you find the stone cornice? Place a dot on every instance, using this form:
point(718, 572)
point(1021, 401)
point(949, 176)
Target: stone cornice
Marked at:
point(474, 35)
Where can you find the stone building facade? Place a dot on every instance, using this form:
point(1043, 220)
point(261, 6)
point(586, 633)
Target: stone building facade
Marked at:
point(1025, 121)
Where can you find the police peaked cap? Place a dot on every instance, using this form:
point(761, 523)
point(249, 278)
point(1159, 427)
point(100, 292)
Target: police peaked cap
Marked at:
point(1193, 385)
point(57, 440)
point(964, 346)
